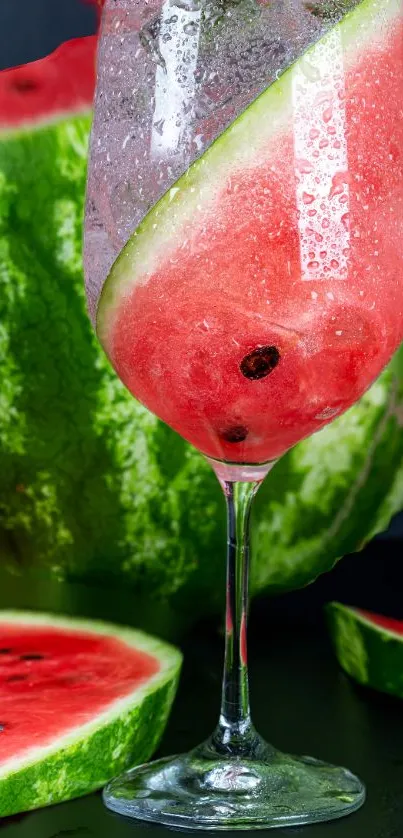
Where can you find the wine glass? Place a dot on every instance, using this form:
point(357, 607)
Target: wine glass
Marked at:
point(255, 149)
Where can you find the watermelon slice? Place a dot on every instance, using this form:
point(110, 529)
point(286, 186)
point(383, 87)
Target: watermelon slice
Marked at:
point(80, 701)
point(368, 646)
point(248, 310)
point(44, 90)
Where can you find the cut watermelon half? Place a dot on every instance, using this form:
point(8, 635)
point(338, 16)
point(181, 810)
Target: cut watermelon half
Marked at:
point(80, 701)
point(369, 647)
point(58, 85)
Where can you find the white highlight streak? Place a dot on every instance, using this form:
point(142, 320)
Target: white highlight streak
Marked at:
point(321, 163)
point(175, 83)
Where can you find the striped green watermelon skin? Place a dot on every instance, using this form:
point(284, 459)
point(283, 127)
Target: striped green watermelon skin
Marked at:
point(92, 486)
point(95, 753)
point(87, 765)
point(370, 654)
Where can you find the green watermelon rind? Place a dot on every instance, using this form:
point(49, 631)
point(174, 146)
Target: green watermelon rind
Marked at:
point(239, 146)
point(369, 653)
point(87, 757)
point(8, 133)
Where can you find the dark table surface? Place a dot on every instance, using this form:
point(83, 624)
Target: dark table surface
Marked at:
point(302, 703)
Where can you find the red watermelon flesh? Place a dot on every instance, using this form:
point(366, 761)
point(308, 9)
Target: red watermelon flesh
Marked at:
point(387, 623)
point(236, 267)
point(51, 87)
point(80, 702)
point(53, 681)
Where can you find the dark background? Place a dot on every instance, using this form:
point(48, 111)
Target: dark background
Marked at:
point(30, 29)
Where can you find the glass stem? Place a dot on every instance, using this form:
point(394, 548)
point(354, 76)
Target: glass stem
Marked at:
point(235, 731)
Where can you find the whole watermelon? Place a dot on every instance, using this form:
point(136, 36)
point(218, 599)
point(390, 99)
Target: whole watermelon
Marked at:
point(92, 486)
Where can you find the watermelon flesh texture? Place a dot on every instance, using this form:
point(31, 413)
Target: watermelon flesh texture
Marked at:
point(53, 681)
point(81, 701)
point(245, 260)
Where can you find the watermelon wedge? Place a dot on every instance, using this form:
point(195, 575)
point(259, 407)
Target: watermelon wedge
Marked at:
point(80, 701)
point(368, 646)
point(262, 295)
point(45, 90)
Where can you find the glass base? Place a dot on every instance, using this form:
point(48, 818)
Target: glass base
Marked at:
point(204, 790)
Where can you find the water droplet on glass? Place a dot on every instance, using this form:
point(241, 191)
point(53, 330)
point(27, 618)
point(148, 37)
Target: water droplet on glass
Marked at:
point(188, 5)
point(339, 181)
point(345, 220)
point(304, 166)
point(159, 126)
point(198, 141)
point(191, 28)
point(309, 70)
point(335, 190)
point(148, 38)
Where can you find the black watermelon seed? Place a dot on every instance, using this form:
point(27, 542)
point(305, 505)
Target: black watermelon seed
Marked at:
point(14, 678)
point(5, 651)
point(2, 726)
point(24, 85)
point(236, 433)
point(260, 362)
point(32, 657)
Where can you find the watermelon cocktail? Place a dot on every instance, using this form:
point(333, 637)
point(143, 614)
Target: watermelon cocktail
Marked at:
point(256, 151)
